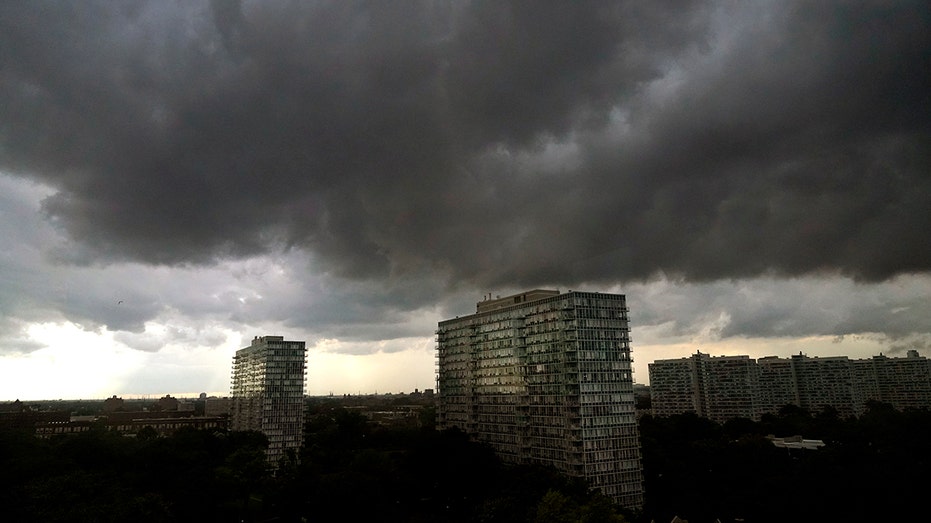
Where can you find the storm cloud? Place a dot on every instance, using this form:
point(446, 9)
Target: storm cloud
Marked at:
point(483, 142)
point(354, 171)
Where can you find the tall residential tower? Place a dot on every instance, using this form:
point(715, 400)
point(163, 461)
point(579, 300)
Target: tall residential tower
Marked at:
point(545, 378)
point(268, 392)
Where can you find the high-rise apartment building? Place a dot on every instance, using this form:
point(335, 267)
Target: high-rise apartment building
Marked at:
point(775, 384)
point(725, 387)
point(904, 383)
point(545, 378)
point(268, 392)
point(678, 391)
point(824, 382)
point(718, 388)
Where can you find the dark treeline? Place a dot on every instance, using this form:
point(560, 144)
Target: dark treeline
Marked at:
point(103, 476)
point(871, 469)
point(350, 470)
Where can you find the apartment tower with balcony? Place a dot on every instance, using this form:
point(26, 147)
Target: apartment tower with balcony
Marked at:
point(267, 393)
point(545, 377)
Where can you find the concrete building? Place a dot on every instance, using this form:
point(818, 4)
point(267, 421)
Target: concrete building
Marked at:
point(904, 383)
point(267, 392)
point(545, 378)
point(214, 406)
point(112, 404)
point(718, 388)
point(725, 387)
point(167, 403)
point(824, 382)
point(130, 423)
point(775, 384)
point(677, 392)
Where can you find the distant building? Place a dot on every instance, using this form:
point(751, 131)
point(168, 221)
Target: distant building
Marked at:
point(725, 387)
point(130, 423)
point(112, 404)
point(719, 388)
point(796, 442)
point(167, 404)
point(674, 386)
point(268, 392)
point(217, 406)
point(20, 417)
point(904, 383)
point(545, 378)
point(824, 382)
point(776, 385)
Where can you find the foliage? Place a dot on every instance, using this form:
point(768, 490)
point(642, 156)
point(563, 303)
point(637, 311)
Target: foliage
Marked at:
point(103, 476)
point(350, 469)
point(871, 467)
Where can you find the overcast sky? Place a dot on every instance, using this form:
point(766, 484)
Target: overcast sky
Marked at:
point(178, 177)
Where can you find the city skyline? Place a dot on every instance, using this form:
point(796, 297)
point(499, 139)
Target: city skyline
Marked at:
point(178, 178)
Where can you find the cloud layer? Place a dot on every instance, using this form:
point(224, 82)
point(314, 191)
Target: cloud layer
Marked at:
point(351, 169)
point(487, 142)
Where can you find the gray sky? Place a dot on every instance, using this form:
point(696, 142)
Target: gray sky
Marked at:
point(178, 177)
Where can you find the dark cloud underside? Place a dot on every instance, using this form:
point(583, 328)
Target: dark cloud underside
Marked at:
point(499, 143)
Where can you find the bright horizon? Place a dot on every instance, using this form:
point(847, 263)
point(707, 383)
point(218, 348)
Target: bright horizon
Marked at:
point(330, 372)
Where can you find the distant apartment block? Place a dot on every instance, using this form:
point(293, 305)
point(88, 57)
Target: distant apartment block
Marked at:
point(775, 385)
point(214, 406)
point(545, 378)
point(113, 404)
point(904, 383)
point(725, 387)
point(824, 382)
point(714, 387)
point(678, 391)
point(267, 392)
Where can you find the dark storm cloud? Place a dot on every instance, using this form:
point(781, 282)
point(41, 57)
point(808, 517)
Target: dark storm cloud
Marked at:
point(484, 143)
point(896, 309)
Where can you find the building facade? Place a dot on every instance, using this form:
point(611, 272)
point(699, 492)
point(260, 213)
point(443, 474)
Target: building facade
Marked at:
point(678, 392)
point(267, 392)
point(824, 382)
point(904, 383)
point(545, 378)
point(718, 388)
point(775, 385)
point(726, 387)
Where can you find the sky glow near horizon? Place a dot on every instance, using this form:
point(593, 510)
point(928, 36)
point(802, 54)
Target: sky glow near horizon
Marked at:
point(178, 178)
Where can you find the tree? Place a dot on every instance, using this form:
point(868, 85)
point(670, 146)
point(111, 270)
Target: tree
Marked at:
point(147, 433)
